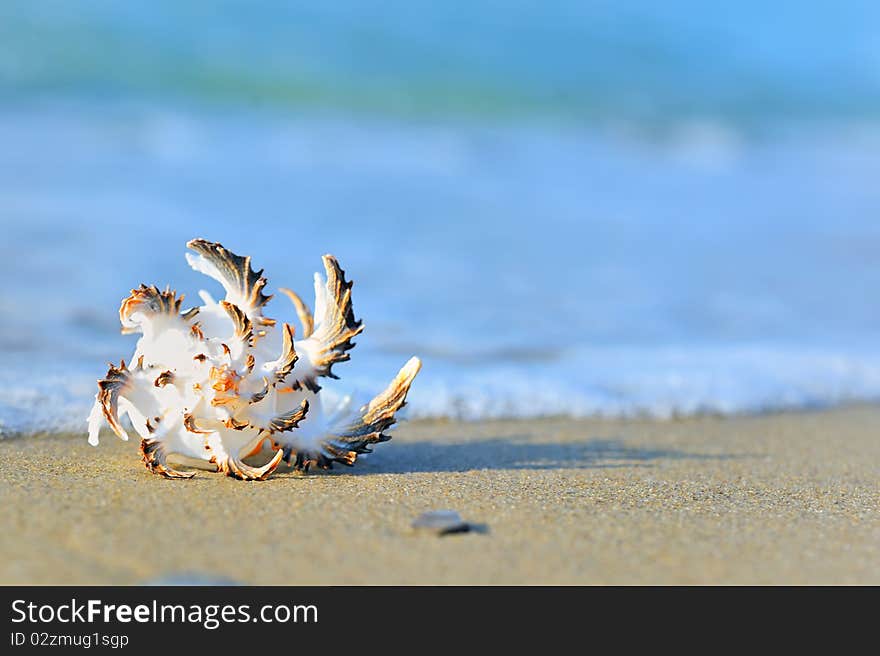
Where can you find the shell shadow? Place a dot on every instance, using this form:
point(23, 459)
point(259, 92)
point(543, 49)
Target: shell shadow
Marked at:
point(515, 452)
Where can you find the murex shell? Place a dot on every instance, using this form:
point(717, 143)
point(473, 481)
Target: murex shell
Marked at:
point(218, 383)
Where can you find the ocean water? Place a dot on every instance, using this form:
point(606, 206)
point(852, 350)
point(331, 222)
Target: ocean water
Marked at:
point(576, 211)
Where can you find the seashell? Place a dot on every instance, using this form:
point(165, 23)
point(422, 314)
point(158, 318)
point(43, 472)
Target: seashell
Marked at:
point(217, 383)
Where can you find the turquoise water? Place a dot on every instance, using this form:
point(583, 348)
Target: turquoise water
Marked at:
point(576, 210)
point(600, 62)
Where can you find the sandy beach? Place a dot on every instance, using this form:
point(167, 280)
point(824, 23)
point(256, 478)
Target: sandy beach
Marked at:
point(787, 498)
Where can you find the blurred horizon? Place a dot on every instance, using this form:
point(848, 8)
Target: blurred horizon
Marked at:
point(748, 65)
point(566, 208)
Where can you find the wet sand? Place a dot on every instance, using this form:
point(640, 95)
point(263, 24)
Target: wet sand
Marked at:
point(789, 498)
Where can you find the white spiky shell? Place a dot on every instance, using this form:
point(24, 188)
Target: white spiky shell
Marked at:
point(213, 385)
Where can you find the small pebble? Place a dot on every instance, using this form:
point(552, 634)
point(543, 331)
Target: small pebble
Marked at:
point(190, 579)
point(441, 522)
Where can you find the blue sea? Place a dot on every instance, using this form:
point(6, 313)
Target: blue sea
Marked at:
point(565, 208)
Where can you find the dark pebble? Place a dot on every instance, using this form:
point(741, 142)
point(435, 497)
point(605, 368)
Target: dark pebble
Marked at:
point(441, 522)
